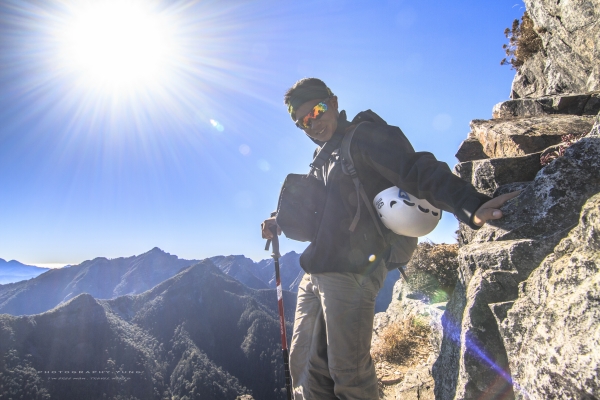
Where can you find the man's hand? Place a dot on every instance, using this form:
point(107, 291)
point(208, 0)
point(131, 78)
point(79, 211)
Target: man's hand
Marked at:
point(265, 228)
point(490, 209)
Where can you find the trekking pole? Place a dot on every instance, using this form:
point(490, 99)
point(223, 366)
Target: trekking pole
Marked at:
point(284, 349)
point(401, 268)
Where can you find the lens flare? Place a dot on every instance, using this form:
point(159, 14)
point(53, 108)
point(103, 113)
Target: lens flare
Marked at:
point(244, 149)
point(476, 350)
point(217, 125)
point(264, 165)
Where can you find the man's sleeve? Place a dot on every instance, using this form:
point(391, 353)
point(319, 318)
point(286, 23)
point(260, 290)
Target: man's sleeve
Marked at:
point(386, 150)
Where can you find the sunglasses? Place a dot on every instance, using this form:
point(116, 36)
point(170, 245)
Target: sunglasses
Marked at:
point(316, 113)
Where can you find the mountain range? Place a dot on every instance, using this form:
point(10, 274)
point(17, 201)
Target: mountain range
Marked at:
point(104, 278)
point(198, 334)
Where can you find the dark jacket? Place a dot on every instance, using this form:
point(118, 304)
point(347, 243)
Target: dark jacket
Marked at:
point(383, 157)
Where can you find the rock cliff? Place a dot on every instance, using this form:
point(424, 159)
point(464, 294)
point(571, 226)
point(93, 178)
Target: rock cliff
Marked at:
point(568, 61)
point(523, 320)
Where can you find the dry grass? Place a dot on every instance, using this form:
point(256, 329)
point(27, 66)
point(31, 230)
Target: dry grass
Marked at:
point(404, 343)
point(523, 42)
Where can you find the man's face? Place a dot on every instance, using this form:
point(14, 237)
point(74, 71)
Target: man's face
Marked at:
point(323, 128)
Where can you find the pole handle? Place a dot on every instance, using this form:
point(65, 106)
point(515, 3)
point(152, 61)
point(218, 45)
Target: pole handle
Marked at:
point(274, 241)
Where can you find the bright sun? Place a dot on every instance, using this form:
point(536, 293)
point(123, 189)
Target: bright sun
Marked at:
point(115, 45)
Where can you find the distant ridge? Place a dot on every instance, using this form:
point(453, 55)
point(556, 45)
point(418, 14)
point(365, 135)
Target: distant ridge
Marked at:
point(14, 271)
point(261, 274)
point(102, 278)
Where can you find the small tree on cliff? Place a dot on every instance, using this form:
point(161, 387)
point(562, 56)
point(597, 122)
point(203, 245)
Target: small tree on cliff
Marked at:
point(523, 42)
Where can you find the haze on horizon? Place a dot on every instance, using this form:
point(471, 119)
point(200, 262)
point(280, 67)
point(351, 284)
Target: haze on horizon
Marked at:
point(183, 142)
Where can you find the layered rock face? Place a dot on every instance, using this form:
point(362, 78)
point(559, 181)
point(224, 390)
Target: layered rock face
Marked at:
point(523, 321)
point(568, 63)
point(557, 310)
point(506, 150)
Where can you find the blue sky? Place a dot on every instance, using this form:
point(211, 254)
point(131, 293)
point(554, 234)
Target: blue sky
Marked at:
point(193, 162)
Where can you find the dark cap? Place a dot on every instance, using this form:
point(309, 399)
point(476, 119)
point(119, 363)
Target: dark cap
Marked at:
point(305, 90)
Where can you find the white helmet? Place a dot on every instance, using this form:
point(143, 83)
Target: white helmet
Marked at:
point(404, 214)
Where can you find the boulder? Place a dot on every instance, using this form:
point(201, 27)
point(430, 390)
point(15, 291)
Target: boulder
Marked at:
point(551, 331)
point(469, 150)
point(577, 104)
point(549, 207)
point(488, 175)
point(521, 136)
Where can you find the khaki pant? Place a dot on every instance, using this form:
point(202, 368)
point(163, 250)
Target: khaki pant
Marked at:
point(330, 352)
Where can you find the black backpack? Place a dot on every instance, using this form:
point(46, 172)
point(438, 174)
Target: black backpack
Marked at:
point(302, 198)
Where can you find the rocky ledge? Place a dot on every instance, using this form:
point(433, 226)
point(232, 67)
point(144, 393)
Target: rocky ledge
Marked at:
point(518, 323)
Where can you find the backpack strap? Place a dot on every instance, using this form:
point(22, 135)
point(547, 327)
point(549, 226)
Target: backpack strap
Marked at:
point(348, 165)
point(325, 152)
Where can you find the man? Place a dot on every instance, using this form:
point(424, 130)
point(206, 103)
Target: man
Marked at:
point(330, 351)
